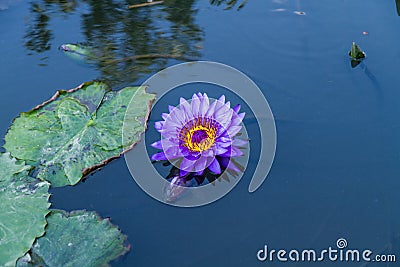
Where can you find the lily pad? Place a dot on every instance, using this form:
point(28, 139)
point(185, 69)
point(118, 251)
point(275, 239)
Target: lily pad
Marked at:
point(80, 238)
point(24, 206)
point(78, 131)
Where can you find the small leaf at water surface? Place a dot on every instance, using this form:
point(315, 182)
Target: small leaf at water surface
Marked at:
point(78, 131)
point(78, 52)
point(80, 238)
point(356, 52)
point(23, 205)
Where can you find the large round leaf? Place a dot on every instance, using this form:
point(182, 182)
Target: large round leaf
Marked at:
point(23, 205)
point(80, 238)
point(77, 131)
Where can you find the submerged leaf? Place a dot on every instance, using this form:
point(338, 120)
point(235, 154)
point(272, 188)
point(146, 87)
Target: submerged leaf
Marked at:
point(356, 52)
point(24, 206)
point(78, 131)
point(77, 52)
point(80, 238)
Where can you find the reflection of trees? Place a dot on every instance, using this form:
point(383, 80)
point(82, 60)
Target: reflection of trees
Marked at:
point(38, 37)
point(229, 4)
point(117, 34)
point(65, 6)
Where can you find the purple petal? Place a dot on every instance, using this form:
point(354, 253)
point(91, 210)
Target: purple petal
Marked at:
point(223, 115)
point(233, 130)
point(159, 125)
point(211, 109)
point(195, 105)
point(204, 104)
point(236, 152)
point(240, 142)
point(221, 151)
point(159, 156)
point(223, 161)
point(172, 152)
point(224, 144)
point(218, 105)
point(157, 144)
point(182, 173)
point(215, 167)
point(232, 152)
point(200, 164)
point(186, 108)
point(171, 108)
point(208, 153)
point(237, 119)
point(205, 96)
point(164, 116)
point(236, 108)
point(227, 163)
point(224, 139)
point(190, 155)
point(186, 164)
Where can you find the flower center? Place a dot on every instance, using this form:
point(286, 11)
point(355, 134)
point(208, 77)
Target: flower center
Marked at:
point(199, 134)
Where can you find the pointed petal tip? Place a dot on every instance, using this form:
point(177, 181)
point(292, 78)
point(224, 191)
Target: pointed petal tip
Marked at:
point(157, 144)
point(215, 167)
point(183, 173)
point(236, 108)
point(171, 108)
point(159, 156)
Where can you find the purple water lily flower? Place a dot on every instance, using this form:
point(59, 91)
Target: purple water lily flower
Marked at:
point(202, 134)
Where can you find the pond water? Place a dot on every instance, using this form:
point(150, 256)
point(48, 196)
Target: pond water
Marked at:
point(336, 171)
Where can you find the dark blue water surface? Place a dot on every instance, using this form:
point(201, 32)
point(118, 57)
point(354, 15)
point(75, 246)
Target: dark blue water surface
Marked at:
point(336, 172)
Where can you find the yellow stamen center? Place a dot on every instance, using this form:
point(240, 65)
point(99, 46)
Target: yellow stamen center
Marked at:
point(198, 135)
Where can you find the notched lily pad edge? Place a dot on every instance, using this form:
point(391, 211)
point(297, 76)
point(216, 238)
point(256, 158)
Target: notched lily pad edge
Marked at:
point(87, 171)
point(60, 92)
point(91, 170)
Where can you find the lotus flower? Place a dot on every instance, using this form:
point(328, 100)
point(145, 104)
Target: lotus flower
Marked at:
point(200, 133)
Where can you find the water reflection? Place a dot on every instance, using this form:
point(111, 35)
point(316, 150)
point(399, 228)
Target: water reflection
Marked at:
point(126, 43)
point(176, 188)
point(38, 36)
point(229, 4)
point(62, 5)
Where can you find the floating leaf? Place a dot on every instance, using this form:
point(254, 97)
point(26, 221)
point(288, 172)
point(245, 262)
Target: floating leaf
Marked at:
point(24, 206)
point(80, 238)
point(78, 131)
point(356, 52)
point(77, 51)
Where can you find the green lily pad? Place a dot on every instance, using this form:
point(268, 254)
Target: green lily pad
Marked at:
point(78, 131)
point(24, 206)
point(80, 238)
